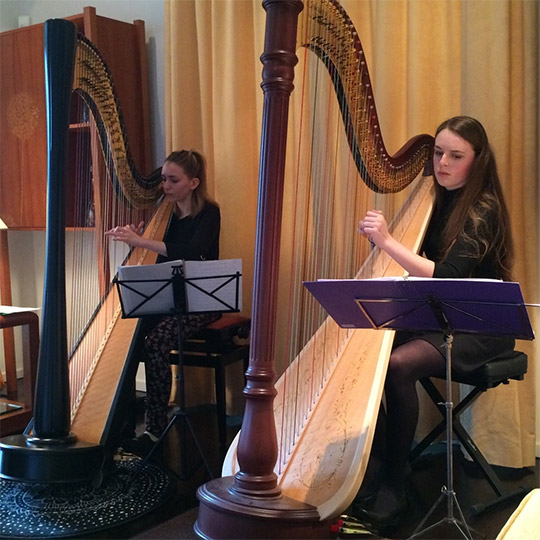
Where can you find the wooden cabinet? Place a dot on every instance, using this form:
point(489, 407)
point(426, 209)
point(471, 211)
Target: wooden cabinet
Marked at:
point(23, 135)
point(23, 122)
point(16, 420)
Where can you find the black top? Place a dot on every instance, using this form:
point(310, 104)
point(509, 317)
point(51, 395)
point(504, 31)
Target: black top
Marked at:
point(462, 261)
point(469, 351)
point(193, 238)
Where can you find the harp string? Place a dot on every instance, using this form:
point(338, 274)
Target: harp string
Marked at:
point(117, 196)
point(330, 189)
point(314, 255)
point(82, 266)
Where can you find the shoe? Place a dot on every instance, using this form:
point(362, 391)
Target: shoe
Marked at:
point(364, 500)
point(141, 446)
point(383, 513)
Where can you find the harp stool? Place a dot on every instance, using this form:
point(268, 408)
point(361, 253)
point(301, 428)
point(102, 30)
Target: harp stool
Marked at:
point(218, 345)
point(497, 371)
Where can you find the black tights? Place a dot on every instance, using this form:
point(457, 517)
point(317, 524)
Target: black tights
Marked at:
point(395, 430)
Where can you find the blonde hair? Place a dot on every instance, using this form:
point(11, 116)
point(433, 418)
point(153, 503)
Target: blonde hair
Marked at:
point(194, 165)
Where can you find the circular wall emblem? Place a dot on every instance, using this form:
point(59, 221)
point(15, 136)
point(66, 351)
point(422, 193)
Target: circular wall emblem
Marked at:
point(22, 115)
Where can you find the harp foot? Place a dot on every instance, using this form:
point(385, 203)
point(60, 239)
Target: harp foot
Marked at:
point(224, 514)
point(72, 462)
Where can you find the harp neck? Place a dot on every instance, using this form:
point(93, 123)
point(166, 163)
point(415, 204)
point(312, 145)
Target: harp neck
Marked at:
point(330, 34)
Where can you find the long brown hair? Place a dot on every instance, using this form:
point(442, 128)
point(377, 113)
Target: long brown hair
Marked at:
point(194, 165)
point(481, 217)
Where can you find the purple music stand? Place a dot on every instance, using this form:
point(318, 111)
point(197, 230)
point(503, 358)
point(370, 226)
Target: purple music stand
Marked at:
point(473, 306)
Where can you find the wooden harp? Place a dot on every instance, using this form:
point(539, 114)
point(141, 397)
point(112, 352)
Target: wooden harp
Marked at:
point(277, 486)
point(82, 386)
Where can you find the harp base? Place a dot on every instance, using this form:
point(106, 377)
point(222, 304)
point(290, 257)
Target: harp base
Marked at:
point(72, 462)
point(226, 514)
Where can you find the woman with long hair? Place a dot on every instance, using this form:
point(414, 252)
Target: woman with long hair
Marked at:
point(192, 234)
point(468, 237)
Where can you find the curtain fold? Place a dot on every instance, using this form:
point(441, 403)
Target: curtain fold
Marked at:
point(428, 61)
point(500, 89)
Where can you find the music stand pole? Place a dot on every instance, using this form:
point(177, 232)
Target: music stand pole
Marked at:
point(448, 490)
point(180, 309)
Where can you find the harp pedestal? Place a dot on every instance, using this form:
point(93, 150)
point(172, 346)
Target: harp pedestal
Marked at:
point(223, 513)
point(46, 461)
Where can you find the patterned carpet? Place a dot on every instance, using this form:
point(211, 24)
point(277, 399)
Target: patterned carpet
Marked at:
point(58, 510)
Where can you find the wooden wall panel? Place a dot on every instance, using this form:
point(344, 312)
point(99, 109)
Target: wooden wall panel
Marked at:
point(23, 122)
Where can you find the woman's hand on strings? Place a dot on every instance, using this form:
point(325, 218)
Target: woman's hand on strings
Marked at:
point(374, 228)
point(129, 234)
point(132, 236)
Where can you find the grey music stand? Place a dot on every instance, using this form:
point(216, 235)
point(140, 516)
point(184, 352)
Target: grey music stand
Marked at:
point(447, 305)
point(179, 288)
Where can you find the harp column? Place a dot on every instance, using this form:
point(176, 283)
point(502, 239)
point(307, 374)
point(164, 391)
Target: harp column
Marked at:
point(251, 505)
point(257, 449)
point(51, 453)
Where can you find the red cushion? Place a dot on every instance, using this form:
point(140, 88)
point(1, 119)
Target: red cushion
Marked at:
point(228, 319)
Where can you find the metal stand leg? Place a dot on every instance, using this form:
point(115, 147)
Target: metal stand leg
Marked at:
point(179, 414)
point(447, 492)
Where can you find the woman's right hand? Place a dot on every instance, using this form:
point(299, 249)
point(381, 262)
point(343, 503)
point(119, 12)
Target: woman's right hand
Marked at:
point(129, 234)
point(374, 228)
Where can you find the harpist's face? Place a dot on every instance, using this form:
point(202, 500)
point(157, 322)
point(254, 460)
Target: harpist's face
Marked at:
point(177, 185)
point(453, 157)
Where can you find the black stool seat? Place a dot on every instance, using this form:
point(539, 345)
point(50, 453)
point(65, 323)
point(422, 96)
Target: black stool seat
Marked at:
point(218, 345)
point(499, 370)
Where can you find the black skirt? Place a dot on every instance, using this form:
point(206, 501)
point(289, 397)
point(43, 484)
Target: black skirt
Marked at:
point(469, 351)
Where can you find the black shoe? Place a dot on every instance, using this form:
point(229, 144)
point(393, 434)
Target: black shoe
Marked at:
point(383, 513)
point(367, 494)
point(140, 446)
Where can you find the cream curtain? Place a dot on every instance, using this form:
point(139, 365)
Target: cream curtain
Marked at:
point(428, 60)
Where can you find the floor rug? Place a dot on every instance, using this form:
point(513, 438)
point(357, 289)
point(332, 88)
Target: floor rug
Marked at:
point(30, 510)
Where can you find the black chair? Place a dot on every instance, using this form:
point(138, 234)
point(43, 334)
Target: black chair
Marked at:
point(497, 371)
point(220, 344)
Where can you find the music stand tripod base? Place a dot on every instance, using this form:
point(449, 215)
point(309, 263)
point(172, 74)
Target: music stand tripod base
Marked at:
point(165, 289)
point(447, 492)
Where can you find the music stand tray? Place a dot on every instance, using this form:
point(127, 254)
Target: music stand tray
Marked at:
point(207, 286)
point(477, 306)
point(474, 306)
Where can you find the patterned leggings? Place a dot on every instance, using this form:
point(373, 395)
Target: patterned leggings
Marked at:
point(158, 344)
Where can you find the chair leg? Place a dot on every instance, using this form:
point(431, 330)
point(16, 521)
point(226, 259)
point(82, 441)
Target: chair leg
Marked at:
point(438, 400)
point(221, 407)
